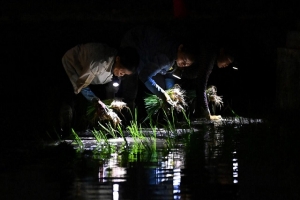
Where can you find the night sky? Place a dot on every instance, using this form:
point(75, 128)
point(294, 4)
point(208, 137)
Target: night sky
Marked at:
point(35, 35)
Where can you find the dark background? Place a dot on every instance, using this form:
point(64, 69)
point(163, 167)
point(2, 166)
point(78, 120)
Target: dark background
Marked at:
point(36, 34)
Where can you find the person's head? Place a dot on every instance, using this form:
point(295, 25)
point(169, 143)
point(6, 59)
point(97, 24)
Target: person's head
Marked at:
point(126, 61)
point(224, 58)
point(186, 54)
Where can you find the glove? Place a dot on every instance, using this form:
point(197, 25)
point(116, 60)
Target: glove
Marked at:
point(101, 108)
point(168, 98)
point(215, 117)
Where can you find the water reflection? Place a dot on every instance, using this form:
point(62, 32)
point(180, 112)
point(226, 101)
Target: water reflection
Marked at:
point(111, 169)
point(202, 163)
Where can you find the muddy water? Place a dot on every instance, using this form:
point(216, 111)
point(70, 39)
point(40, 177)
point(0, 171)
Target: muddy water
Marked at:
point(186, 165)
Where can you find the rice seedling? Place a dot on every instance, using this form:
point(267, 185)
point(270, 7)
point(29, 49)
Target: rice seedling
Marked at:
point(78, 141)
point(104, 148)
point(154, 104)
point(187, 119)
point(142, 143)
point(100, 136)
point(171, 126)
point(153, 146)
point(135, 131)
point(110, 130)
point(104, 151)
point(231, 110)
point(122, 134)
point(139, 153)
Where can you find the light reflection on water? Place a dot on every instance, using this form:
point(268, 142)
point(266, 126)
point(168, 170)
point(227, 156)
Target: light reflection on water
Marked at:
point(161, 176)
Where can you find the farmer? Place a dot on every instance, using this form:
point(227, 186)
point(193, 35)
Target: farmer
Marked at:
point(95, 64)
point(196, 76)
point(159, 55)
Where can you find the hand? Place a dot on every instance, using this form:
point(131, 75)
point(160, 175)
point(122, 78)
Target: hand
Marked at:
point(215, 117)
point(100, 106)
point(169, 100)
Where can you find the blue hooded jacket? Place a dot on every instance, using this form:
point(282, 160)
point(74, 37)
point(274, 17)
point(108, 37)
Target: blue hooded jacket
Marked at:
point(157, 51)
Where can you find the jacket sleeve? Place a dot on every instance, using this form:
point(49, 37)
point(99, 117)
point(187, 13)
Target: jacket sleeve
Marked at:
point(88, 93)
point(159, 64)
point(146, 76)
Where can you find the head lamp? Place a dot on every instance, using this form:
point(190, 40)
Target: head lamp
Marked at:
point(235, 65)
point(115, 81)
point(177, 73)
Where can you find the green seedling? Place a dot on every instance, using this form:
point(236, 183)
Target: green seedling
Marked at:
point(78, 140)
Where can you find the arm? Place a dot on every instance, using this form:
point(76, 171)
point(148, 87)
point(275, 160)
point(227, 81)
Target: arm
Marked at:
point(88, 94)
point(82, 63)
point(159, 64)
point(153, 86)
point(200, 72)
point(201, 84)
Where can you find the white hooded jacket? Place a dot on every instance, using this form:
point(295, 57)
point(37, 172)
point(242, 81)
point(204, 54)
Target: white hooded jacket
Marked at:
point(89, 63)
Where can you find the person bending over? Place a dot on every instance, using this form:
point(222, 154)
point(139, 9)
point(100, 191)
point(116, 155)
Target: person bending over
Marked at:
point(196, 76)
point(96, 64)
point(160, 53)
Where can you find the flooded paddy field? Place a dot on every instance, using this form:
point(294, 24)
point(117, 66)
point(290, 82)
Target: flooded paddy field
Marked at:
point(229, 159)
point(241, 158)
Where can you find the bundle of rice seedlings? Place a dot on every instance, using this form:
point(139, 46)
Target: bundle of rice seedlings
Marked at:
point(117, 104)
point(211, 93)
point(153, 103)
point(107, 114)
point(178, 97)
